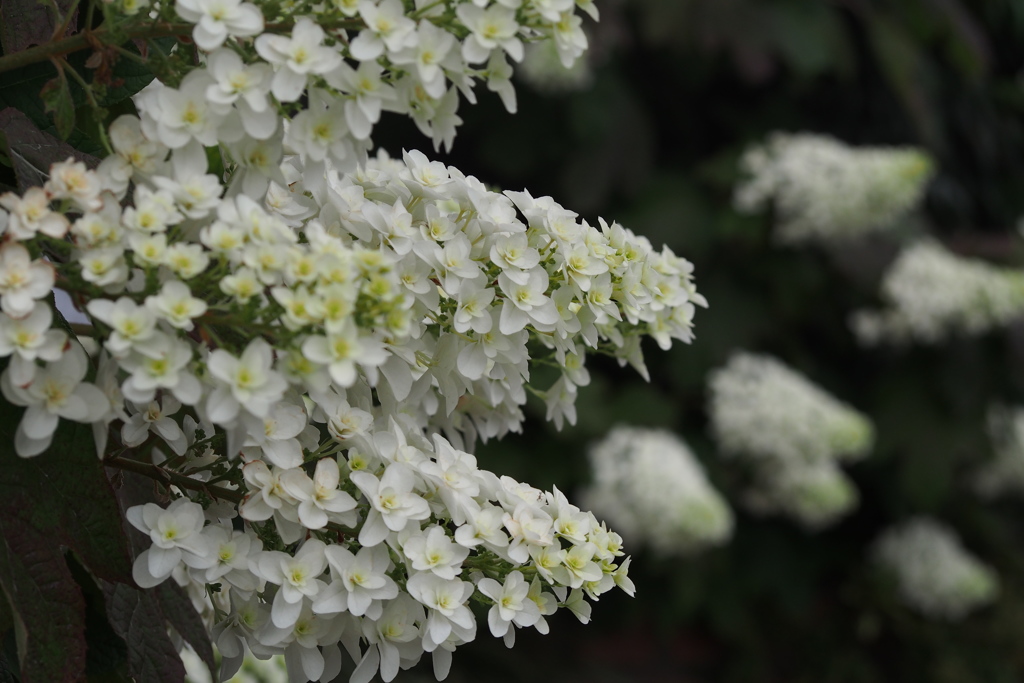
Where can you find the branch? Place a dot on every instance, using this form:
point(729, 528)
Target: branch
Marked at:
point(181, 481)
point(170, 477)
point(81, 41)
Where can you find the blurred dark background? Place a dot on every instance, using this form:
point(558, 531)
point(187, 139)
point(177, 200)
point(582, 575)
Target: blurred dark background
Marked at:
point(680, 88)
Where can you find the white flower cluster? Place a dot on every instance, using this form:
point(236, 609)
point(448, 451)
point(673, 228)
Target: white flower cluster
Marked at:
point(409, 278)
point(824, 190)
point(651, 487)
point(334, 324)
point(418, 532)
point(935, 574)
point(931, 293)
point(794, 435)
point(353, 59)
point(1004, 473)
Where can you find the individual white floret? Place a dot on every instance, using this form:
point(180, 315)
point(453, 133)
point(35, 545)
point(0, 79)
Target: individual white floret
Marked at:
point(359, 582)
point(934, 573)
point(320, 499)
point(246, 382)
point(296, 58)
point(22, 280)
point(156, 418)
point(72, 180)
point(432, 550)
point(446, 609)
point(393, 504)
point(56, 391)
point(31, 214)
point(512, 605)
point(297, 576)
point(175, 534)
point(26, 340)
point(160, 363)
point(215, 20)
point(176, 305)
point(387, 27)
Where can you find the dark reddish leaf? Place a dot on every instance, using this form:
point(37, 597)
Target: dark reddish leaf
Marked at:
point(47, 605)
point(30, 22)
point(32, 151)
point(178, 610)
point(136, 616)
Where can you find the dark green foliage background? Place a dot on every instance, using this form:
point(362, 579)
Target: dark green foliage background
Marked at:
point(681, 88)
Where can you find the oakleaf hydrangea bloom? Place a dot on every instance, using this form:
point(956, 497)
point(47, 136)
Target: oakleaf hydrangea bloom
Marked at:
point(792, 433)
point(934, 573)
point(931, 293)
point(310, 342)
point(824, 190)
point(652, 488)
point(1003, 474)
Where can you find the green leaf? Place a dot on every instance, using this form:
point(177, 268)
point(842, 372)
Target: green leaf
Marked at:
point(57, 100)
point(48, 607)
point(30, 22)
point(32, 151)
point(136, 617)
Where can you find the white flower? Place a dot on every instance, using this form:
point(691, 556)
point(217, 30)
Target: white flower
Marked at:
point(245, 382)
point(31, 213)
point(215, 20)
point(491, 28)
point(445, 602)
point(56, 391)
point(71, 180)
point(320, 499)
point(386, 26)
point(762, 409)
point(175, 533)
point(360, 584)
point(30, 339)
point(936, 575)
point(131, 323)
point(175, 116)
point(296, 57)
point(433, 550)
point(176, 305)
point(511, 605)
point(160, 364)
point(297, 577)
point(22, 280)
point(393, 504)
point(155, 417)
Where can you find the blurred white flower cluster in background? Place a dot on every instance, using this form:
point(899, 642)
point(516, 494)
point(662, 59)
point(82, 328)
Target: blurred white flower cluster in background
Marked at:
point(934, 573)
point(653, 490)
point(931, 294)
point(824, 190)
point(792, 434)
